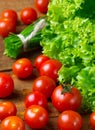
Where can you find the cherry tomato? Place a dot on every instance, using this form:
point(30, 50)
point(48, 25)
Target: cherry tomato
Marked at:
point(6, 85)
point(66, 101)
point(40, 60)
point(7, 108)
point(36, 116)
point(42, 5)
point(10, 14)
point(70, 120)
point(12, 123)
point(50, 68)
point(35, 98)
point(7, 26)
point(92, 120)
point(28, 15)
point(45, 85)
point(22, 68)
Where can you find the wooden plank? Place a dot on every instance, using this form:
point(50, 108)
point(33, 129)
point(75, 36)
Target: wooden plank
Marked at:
point(15, 4)
point(23, 87)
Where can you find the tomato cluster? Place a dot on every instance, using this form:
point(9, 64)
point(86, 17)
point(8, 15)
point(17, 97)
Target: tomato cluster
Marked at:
point(8, 22)
point(9, 18)
point(44, 88)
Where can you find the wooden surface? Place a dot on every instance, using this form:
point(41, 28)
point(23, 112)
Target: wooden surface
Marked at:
point(23, 87)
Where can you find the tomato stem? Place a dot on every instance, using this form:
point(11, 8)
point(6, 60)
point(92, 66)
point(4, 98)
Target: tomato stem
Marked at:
point(66, 89)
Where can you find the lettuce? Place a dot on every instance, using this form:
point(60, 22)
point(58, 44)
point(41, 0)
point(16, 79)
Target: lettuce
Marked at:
point(70, 38)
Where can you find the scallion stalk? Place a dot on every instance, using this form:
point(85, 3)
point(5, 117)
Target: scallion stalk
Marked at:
point(28, 39)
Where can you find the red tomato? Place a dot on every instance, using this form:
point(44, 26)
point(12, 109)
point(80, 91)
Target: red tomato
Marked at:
point(40, 60)
point(36, 116)
point(92, 120)
point(50, 68)
point(42, 5)
point(10, 14)
point(66, 101)
point(36, 98)
point(28, 15)
point(70, 120)
point(12, 123)
point(22, 68)
point(6, 85)
point(45, 85)
point(7, 108)
point(7, 26)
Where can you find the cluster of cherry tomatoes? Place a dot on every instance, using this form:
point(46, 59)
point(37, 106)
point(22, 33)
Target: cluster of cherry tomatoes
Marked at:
point(44, 87)
point(28, 15)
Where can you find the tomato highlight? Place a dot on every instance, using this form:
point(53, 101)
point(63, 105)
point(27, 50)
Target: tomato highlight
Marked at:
point(36, 116)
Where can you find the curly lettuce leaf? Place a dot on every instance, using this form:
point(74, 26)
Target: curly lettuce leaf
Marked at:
point(68, 74)
point(86, 84)
point(70, 38)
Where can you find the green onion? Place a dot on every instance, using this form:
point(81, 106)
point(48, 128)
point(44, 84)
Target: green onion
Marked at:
point(28, 39)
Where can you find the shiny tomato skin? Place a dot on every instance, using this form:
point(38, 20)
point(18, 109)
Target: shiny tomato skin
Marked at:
point(42, 5)
point(50, 68)
point(7, 108)
point(10, 14)
point(22, 68)
point(92, 120)
point(67, 101)
point(28, 15)
point(45, 85)
point(69, 120)
point(7, 26)
point(6, 85)
point(12, 123)
point(36, 116)
point(40, 60)
point(36, 98)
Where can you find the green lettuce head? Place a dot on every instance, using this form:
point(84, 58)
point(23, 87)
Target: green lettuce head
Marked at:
point(70, 38)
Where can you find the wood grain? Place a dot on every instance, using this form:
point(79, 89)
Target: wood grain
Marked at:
point(17, 5)
point(23, 87)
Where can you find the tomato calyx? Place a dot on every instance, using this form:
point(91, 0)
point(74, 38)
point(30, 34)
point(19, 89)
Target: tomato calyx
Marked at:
point(66, 88)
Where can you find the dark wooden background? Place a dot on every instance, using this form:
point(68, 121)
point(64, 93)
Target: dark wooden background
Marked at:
point(23, 87)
